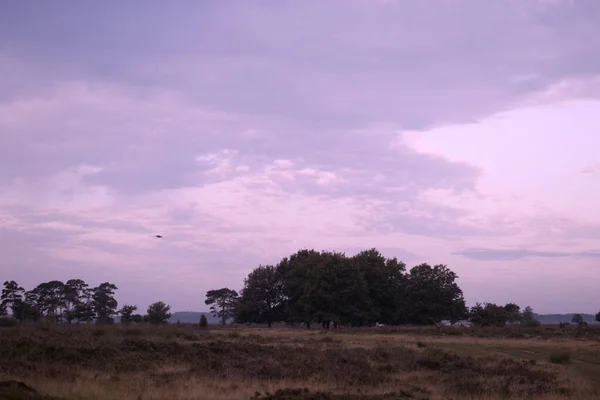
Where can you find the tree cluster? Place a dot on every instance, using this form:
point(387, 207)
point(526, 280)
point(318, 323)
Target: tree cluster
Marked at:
point(332, 288)
point(490, 314)
point(73, 302)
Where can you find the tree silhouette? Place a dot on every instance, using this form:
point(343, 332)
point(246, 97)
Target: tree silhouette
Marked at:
point(262, 299)
point(203, 321)
point(104, 303)
point(126, 313)
point(158, 313)
point(12, 296)
point(223, 303)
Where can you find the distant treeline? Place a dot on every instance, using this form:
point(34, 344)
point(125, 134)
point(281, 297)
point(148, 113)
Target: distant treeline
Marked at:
point(308, 287)
point(558, 318)
point(73, 302)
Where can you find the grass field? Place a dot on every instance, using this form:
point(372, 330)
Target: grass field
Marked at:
point(186, 362)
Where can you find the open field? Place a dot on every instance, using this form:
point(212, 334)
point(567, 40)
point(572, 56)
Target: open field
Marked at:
point(186, 362)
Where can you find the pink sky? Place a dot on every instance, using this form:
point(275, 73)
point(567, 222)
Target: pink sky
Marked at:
point(464, 133)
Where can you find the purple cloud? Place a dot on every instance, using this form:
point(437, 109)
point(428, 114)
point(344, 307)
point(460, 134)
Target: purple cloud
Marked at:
point(243, 132)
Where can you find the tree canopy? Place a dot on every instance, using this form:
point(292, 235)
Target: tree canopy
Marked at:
point(158, 313)
point(329, 287)
point(223, 303)
point(56, 301)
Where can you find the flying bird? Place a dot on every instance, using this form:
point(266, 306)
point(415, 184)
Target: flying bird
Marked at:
point(159, 236)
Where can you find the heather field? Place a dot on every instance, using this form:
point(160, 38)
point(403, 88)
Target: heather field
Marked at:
point(187, 362)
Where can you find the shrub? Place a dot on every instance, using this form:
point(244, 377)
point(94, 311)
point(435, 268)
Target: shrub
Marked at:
point(561, 357)
point(203, 321)
point(531, 323)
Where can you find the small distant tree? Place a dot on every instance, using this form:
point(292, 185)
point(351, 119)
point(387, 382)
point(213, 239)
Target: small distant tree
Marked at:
point(528, 319)
point(223, 303)
point(513, 313)
point(158, 313)
point(126, 313)
point(528, 314)
point(203, 321)
point(598, 317)
point(577, 319)
point(137, 318)
point(490, 314)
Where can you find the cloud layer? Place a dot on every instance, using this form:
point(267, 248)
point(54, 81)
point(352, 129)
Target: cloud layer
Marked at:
point(243, 132)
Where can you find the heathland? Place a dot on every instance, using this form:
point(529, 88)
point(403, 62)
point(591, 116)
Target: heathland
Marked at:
point(189, 362)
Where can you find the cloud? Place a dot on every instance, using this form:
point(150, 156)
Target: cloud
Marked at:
point(243, 132)
point(405, 61)
point(591, 169)
point(484, 254)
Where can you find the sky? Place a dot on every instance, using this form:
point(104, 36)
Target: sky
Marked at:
point(462, 132)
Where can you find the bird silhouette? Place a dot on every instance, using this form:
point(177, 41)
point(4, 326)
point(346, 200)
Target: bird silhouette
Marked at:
point(159, 236)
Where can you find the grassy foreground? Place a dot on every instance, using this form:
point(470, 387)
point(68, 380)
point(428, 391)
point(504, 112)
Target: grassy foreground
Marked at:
point(186, 362)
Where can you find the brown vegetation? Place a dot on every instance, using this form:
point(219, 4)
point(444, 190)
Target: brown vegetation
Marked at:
point(187, 362)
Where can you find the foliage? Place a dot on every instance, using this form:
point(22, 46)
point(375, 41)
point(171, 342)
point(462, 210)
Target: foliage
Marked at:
point(203, 321)
point(433, 295)
point(104, 303)
point(577, 319)
point(324, 287)
point(528, 314)
point(262, 299)
point(12, 296)
point(78, 301)
point(126, 313)
point(386, 282)
point(307, 287)
point(56, 302)
point(598, 317)
point(329, 287)
point(51, 300)
point(491, 314)
point(513, 313)
point(158, 313)
point(223, 303)
point(137, 318)
point(531, 323)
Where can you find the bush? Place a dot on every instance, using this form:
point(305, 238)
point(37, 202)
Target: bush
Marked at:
point(203, 321)
point(531, 323)
point(562, 357)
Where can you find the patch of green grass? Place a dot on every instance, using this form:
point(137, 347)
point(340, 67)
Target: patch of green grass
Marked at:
point(560, 357)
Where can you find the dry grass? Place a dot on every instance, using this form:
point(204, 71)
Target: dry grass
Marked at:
point(179, 362)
